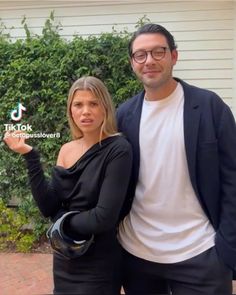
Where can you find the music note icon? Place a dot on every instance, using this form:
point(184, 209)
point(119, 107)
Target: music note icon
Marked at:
point(16, 114)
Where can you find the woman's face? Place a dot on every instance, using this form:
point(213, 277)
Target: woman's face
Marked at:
point(87, 112)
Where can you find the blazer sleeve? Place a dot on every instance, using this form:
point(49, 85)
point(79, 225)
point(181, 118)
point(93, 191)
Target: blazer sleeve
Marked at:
point(226, 234)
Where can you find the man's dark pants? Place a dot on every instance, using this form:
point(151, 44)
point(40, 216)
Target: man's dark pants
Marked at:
point(204, 274)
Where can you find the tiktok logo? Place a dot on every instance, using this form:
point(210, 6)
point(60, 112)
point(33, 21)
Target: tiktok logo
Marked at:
point(16, 114)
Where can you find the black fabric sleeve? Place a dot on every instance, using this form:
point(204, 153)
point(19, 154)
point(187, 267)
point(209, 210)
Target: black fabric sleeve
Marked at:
point(225, 235)
point(43, 191)
point(111, 198)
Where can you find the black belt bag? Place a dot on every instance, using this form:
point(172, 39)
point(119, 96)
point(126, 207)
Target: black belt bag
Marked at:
point(62, 243)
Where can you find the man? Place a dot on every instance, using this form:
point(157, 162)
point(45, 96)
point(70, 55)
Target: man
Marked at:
point(181, 229)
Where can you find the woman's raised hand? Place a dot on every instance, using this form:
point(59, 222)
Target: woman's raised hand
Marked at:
point(16, 142)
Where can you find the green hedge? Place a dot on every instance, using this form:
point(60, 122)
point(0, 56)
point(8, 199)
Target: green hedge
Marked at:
point(38, 72)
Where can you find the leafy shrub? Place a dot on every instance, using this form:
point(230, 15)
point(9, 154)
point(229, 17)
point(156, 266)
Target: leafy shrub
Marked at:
point(12, 232)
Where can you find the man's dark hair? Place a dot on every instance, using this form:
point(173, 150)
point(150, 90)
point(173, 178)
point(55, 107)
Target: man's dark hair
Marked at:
point(152, 29)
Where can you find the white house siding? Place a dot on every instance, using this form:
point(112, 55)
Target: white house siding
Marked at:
point(205, 31)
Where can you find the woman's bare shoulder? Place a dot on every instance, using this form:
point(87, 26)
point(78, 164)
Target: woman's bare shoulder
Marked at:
point(68, 153)
point(68, 146)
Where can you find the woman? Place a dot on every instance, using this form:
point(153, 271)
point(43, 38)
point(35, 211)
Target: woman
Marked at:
point(91, 178)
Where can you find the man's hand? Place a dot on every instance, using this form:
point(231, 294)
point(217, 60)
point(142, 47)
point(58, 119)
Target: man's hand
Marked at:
point(16, 142)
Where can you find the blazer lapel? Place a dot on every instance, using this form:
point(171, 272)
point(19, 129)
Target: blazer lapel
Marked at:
point(191, 127)
point(132, 129)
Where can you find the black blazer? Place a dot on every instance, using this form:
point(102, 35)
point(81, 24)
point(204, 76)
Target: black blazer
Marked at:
point(210, 144)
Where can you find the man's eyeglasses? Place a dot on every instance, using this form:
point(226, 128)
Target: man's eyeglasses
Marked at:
point(157, 53)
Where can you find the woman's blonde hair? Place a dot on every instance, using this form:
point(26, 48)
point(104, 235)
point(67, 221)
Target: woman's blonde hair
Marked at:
point(99, 90)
